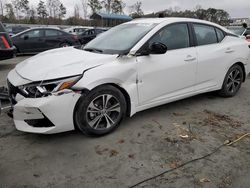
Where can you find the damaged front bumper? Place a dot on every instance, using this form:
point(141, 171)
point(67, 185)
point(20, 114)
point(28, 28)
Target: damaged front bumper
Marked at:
point(46, 115)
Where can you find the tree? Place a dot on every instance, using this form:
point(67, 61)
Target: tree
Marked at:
point(117, 6)
point(21, 6)
point(56, 9)
point(85, 8)
point(94, 5)
point(53, 6)
point(16, 6)
point(62, 11)
point(107, 5)
point(41, 10)
point(2, 5)
point(32, 15)
point(10, 12)
point(76, 12)
point(24, 7)
point(136, 10)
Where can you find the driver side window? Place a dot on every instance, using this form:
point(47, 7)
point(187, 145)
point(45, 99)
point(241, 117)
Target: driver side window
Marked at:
point(33, 34)
point(174, 37)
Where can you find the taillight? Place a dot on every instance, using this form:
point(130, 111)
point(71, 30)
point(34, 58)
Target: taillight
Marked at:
point(4, 43)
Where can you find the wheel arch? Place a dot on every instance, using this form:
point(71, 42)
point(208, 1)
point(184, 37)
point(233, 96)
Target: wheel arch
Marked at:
point(126, 95)
point(243, 68)
point(85, 92)
point(124, 92)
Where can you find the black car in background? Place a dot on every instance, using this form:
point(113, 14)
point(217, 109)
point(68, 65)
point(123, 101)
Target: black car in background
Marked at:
point(13, 30)
point(41, 39)
point(7, 50)
point(89, 35)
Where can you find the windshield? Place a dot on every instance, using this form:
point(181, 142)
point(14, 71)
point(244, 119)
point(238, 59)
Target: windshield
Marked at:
point(120, 39)
point(237, 31)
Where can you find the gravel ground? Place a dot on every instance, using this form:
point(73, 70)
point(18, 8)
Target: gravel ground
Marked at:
point(147, 144)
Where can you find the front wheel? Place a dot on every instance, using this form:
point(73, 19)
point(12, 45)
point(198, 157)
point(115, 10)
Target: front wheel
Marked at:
point(101, 111)
point(232, 81)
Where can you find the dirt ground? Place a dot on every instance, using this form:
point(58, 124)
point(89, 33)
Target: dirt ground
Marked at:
point(147, 144)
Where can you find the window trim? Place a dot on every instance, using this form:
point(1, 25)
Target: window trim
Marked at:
point(190, 34)
point(224, 34)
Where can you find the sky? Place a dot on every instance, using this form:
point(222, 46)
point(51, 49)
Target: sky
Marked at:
point(236, 8)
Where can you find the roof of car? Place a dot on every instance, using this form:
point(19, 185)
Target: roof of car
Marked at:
point(34, 28)
point(170, 20)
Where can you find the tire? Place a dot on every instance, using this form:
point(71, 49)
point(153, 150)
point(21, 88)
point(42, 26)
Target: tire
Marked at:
point(65, 44)
point(101, 111)
point(232, 81)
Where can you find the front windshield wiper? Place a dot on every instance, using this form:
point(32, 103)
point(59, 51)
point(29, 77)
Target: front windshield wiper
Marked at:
point(93, 50)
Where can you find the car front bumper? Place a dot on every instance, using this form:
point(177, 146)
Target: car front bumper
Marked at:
point(47, 115)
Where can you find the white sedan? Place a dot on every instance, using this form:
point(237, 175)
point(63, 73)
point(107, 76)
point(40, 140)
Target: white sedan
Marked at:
point(132, 67)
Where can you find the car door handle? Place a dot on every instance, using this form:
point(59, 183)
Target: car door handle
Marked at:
point(229, 50)
point(190, 58)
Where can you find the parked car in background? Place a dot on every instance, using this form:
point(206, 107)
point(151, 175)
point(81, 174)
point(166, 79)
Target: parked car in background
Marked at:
point(42, 39)
point(132, 67)
point(7, 50)
point(13, 30)
point(241, 31)
point(77, 30)
point(89, 35)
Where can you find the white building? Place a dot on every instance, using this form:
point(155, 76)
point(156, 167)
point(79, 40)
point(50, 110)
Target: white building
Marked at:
point(239, 21)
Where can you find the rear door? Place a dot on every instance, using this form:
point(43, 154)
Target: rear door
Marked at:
point(53, 38)
point(213, 56)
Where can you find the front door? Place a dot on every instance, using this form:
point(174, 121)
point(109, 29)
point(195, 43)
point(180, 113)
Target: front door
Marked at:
point(31, 41)
point(164, 77)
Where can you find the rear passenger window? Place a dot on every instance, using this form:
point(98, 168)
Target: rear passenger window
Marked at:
point(174, 37)
point(51, 33)
point(205, 34)
point(220, 34)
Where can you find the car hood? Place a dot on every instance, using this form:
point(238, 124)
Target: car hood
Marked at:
point(60, 63)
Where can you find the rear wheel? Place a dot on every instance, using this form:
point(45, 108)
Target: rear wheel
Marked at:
point(101, 111)
point(232, 81)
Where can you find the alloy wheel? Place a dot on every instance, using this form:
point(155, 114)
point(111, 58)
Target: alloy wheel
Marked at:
point(103, 112)
point(234, 81)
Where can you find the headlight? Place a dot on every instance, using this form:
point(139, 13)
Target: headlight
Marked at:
point(46, 88)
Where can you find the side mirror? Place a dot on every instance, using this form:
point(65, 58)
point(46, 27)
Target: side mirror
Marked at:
point(157, 48)
point(26, 37)
point(248, 37)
